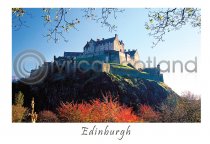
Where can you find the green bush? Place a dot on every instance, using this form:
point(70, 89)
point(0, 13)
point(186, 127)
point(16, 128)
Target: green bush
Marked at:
point(19, 98)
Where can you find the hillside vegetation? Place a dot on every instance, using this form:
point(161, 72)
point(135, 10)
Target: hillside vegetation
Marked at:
point(105, 97)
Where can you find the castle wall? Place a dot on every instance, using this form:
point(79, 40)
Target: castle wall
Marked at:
point(105, 68)
point(113, 57)
point(135, 60)
point(99, 48)
point(89, 50)
point(122, 58)
point(136, 56)
point(106, 46)
point(118, 46)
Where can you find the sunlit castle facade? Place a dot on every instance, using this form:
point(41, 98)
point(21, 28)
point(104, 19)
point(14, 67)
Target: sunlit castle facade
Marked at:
point(104, 45)
point(109, 50)
point(105, 53)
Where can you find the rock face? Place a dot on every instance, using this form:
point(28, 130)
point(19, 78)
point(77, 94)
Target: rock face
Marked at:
point(90, 85)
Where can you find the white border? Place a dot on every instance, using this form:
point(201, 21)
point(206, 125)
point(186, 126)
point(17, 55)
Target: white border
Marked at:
point(70, 133)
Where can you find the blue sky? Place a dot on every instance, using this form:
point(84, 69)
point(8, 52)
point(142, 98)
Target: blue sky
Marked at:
point(183, 44)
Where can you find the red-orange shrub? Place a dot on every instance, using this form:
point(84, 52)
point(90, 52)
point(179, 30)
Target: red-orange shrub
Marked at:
point(126, 115)
point(68, 112)
point(97, 111)
point(148, 114)
point(47, 116)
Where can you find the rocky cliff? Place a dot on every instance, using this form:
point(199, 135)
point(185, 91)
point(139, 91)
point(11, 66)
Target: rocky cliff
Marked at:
point(78, 87)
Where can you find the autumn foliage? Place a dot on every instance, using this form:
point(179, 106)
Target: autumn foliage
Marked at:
point(107, 110)
point(183, 109)
point(47, 116)
point(18, 113)
point(148, 113)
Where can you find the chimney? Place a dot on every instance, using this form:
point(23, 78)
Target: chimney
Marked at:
point(116, 36)
point(121, 42)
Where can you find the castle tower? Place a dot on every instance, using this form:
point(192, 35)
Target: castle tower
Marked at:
point(122, 46)
point(118, 45)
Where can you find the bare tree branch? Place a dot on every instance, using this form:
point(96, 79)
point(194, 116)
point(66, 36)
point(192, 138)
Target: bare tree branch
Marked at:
point(105, 15)
point(167, 20)
point(58, 24)
point(58, 21)
point(17, 18)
